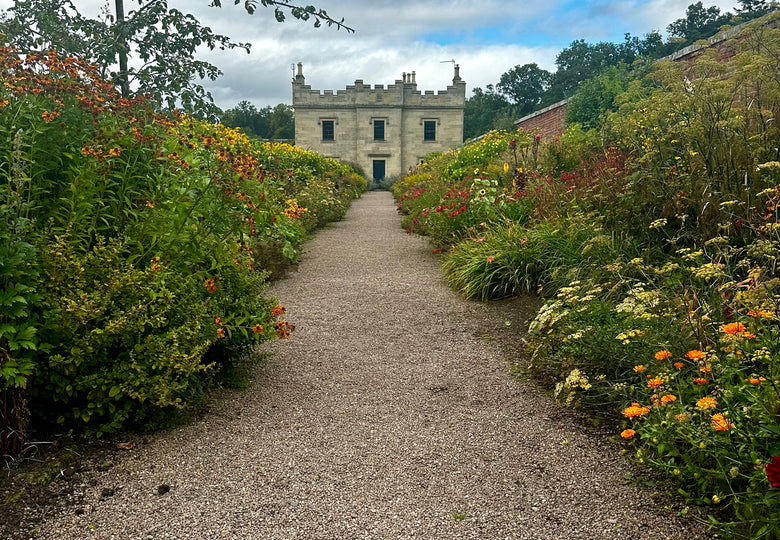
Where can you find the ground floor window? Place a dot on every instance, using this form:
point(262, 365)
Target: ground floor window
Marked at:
point(379, 169)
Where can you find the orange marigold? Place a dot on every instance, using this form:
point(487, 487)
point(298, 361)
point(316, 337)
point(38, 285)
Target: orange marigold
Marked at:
point(278, 310)
point(668, 398)
point(733, 328)
point(655, 382)
point(706, 403)
point(635, 410)
point(678, 365)
point(663, 355)
point(760, 313)
point(699, 380)
point(721, 423)
point(627, 433)
point(639, 369)
point(257, 329)
point(695, 354)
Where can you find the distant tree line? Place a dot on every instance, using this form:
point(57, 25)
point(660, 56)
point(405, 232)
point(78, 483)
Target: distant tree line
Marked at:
point(265, 123)
point(527, 88)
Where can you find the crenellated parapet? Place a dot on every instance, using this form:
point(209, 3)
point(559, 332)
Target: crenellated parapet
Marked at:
point(402, 93)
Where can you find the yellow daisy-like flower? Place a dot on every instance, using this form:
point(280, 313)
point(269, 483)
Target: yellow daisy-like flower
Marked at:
point(706, 403)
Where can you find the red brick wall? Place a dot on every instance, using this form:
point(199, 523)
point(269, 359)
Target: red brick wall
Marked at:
point(548, 122)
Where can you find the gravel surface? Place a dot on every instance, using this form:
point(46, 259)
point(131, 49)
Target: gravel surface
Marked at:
point(385, 416)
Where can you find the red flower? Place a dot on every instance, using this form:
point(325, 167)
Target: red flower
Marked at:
point(773, 471)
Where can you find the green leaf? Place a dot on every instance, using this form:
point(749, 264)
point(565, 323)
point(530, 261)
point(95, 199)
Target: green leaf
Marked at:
point(114, 391)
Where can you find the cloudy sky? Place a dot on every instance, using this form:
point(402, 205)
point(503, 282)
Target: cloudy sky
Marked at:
point(485, 37)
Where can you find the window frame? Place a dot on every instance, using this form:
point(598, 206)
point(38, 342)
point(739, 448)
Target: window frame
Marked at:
point(426, 123)
point(377, 122)
point(324, 122)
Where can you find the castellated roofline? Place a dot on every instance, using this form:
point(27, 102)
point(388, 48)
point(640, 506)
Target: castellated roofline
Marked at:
point(402, 92)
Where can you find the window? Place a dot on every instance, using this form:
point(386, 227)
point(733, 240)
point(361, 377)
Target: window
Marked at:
point(429, 130)
point(327, 130)
point(379, 130)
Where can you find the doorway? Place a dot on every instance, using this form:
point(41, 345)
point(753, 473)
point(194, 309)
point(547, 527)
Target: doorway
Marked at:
point(379, 169)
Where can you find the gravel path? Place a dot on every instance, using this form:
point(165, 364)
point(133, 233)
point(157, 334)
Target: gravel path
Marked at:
point(385, 416)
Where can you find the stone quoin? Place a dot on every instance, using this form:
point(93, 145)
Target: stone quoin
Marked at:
point(385, 131)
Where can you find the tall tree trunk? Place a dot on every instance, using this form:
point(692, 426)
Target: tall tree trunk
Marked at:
point(124, 83)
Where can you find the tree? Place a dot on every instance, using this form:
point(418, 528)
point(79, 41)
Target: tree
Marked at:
point(163, 40)
point(524, 85)
point(481, 111)
point(596, 96)
point(699, 23)
point(266, 123)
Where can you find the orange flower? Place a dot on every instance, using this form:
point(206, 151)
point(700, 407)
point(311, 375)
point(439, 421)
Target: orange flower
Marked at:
point(220, 332)
point(755, 380)
point(490, 259)
point(49, 116)
point(748, 335)
point(706, 403)
point(699, 380)
point(655, 382)
point(283, 329)
point(257, 329)
point(678, 365)
point(635, 410)
point(760, 313)
point(662, 355)
point(277, 311)
point(211, 285)
point(695, 354)
point(639, 369)
point(720, 423)
point(733, 328)
point(627, 433)
point(668, 398)
point(705, 369)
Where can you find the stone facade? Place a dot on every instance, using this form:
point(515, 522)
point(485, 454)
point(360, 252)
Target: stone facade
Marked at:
point(385, 131)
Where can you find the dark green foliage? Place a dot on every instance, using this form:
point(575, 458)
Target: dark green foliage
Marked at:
point(594, 97)
point(266, 123)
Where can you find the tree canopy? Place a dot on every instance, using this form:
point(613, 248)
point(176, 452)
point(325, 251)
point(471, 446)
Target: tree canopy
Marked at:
point(162, 43)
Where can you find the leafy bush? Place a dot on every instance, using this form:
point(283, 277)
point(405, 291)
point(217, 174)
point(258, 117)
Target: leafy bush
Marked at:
point(138, 245)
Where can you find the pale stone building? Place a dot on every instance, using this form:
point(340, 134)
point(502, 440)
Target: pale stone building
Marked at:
point(385, 131)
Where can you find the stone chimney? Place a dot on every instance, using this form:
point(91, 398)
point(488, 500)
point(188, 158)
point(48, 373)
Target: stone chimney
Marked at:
point(414, 77)
point(457, 78)
point(299, 76)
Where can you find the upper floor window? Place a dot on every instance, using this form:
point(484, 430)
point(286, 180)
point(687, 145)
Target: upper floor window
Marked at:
point(379, 130)
point(429, 130)
point(328, 133)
